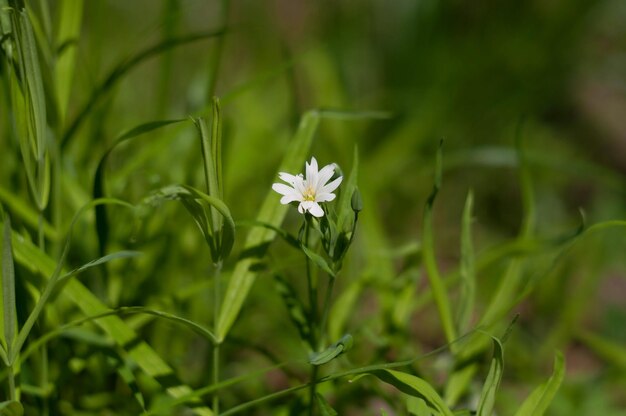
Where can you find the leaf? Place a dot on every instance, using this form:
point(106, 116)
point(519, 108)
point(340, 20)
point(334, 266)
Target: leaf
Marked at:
point(296, 310)
point(430, 263)
point(414, 386)
point(70, 15)
point(11, 408)
point(539, 400)
point(126, 65)
point(325, 408)
point(333, 351)
point(192, 199)
point(271, 212)
point(317, 259)
point(488, 395)
point(8, 288)
point(467, 269)
point(32, 258)
point(102, 226)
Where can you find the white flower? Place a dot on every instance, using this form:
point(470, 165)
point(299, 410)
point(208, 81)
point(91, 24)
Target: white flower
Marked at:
point(308, 191)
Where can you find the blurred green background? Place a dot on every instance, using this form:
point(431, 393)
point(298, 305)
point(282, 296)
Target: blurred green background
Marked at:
point(475, 74)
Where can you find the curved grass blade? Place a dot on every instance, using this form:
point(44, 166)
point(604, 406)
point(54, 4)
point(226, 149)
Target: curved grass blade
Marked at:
point(190, 198)
point(30, 257)
point(467, 269)
point(539, 400)
point(335, 350)
point(102, 226)
point(414, 386)
point(488, 395)
point(122, 68)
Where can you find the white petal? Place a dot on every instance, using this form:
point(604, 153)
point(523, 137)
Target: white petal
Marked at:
point(287, 177)
point(316, 210)
point(324, 197)
point(283, 189)
point(289, 198)
point(331, 186)
point(324, 175)
point(301, 207)
point(311, 172)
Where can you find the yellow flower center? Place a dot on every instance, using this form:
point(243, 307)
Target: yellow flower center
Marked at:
point(309, 194)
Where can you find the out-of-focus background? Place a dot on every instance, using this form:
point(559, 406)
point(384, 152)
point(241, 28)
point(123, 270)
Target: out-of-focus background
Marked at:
point(493, 80)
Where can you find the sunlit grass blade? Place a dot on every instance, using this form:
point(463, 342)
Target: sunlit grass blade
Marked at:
point(70, 15)
point(22, 210)
point(490, 388)
point(414, 386)
point(124, 67)
point(271, 212)
point(434, 277)
point(539, 400)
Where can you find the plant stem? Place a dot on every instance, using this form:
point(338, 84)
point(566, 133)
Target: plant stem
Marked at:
point(11, 376)
point(216, 346)
point(313, 320)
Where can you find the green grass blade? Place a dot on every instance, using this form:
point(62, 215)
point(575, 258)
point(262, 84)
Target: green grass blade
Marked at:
point(414, 386)
point(8, 288)
point(30, 257)
point(26, 213)
point(70, 12)
point(539, 400)
point(490, 388)
point(271, 212)
point(612, 352)
point(434, 277)
point(11, 408)
point(124, 67)
point(467, 269)
point(102, 226)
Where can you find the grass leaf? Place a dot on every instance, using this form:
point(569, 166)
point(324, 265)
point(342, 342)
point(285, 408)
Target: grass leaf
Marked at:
point(539, 400)
point(271, 212)
point(8, 288)
point(490, 388)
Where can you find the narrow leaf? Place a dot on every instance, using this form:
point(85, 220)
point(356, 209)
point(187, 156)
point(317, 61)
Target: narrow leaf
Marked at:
point(488, 395)
point(11, 408)
point(333, 351)
point(414, 386)
point(8, 288)
point(539, 400)
point(325, 408)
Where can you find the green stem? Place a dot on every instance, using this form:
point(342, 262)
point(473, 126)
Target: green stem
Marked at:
point(12, 391)
point(216, 345)
point(313, 319)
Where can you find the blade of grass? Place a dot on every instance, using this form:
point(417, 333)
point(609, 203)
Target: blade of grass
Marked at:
point(70, 12)
point(271, 212)
point(539, 400)
point(436, 282)
point(490, 388)
point(125, 66)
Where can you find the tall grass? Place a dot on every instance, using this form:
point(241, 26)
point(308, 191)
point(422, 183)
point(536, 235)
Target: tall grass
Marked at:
point(149, 268)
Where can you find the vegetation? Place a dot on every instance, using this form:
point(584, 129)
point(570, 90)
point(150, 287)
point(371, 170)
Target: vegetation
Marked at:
point(472, 260)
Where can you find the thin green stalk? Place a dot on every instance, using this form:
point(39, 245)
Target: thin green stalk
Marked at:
point(12, 391)
point(326, 308)
point(216, 345)
point(313, 315)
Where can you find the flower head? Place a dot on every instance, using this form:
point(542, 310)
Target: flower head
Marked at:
point(309, 190)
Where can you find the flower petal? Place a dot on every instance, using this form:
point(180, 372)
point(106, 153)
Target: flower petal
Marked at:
point(283, 189)
point(324, 197)
point(288, 177)
point(324, 175)
point(331, 186)
point(311, 172)
point(289, 198)
point(316, 210)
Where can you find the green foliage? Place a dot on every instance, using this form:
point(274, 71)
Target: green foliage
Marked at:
point(229, 302)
